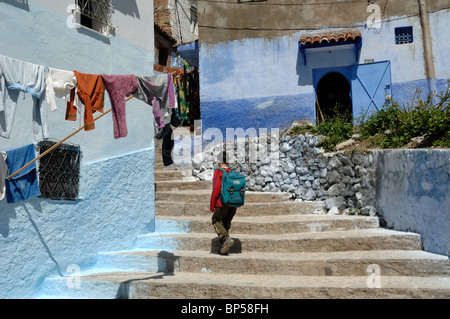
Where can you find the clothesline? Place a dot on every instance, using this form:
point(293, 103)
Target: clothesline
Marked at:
point(60, 142)
point(46, 83)
point(88, 90)
point(80, 91)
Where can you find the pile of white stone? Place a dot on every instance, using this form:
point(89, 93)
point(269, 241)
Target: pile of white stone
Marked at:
point(296, 164)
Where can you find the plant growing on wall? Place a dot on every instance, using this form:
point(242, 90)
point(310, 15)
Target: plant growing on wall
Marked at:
point(335, 129)
point(422, 122)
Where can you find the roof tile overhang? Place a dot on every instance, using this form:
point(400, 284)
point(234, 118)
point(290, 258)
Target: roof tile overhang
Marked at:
point(331, 39)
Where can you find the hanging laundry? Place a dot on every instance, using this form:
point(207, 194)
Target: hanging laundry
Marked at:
point(18, 76)
point(145, 93)
point(193, 95)
point(119, 87)
point(91, 92)
point(163, 88)
point(158, 91)
point(25, 184)
point(3, 174)
point(184, 108)
point(59, 83)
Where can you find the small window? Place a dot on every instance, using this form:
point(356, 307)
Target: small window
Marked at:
point(404, 35)
point(59, 171)
point(95, 15)
point(163, 56)
point(193, 11)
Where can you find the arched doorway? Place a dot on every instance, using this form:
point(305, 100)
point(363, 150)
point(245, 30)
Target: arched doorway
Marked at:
point(333, 97)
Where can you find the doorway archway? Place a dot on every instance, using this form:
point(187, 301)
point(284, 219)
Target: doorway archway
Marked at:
point(333, 97)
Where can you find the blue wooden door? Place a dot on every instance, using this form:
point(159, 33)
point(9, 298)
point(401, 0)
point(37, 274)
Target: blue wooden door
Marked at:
point(371, 85)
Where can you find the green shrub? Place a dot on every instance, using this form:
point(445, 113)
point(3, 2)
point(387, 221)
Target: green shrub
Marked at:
point(394, 126)
point(335, 130)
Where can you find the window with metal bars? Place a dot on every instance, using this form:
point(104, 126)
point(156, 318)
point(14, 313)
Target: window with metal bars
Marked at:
point(95, 15)
point(193, 11)
point(404, 35)
point(59, 171)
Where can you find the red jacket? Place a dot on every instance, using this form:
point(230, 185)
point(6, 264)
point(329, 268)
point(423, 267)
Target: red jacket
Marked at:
point(217, 187)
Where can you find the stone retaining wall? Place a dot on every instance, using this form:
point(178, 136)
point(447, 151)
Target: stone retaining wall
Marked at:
point(407, 189)
point(413, 194)
point(300, 167)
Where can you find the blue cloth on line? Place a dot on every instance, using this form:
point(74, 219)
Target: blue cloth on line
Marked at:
point(25, 184)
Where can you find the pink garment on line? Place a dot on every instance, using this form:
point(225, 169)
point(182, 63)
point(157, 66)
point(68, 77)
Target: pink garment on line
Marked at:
point(119, 87)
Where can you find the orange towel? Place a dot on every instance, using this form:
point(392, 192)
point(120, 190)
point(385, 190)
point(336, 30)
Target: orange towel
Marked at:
point(91, 91)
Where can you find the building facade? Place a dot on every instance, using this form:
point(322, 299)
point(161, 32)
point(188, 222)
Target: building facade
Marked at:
point(178, 18)
point(176, 24)
point(42, 237)
point(297, 60)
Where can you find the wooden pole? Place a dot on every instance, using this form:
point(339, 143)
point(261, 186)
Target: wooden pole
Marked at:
point(59, 143)
point(318, 107)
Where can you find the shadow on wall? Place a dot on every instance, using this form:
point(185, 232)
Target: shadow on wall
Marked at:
point(304, 72)
point(18, 4)
point(7, 213)
point(94, 34)
point(50, 255)
point(127, 7)
point(320, 60)
point(166, 267)
point(124, 288)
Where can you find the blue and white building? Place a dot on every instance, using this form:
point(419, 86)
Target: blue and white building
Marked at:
point(267, 63)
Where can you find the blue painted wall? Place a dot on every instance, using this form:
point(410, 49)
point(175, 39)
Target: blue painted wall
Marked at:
point(413, 194)
point(41, 237)
point(264, 83)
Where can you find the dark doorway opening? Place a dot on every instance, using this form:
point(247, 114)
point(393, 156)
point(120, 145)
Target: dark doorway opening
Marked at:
point(333, 97)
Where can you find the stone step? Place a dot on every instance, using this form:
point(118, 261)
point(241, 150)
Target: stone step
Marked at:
point(179, 174)
point(159, 166)
point(189, 196)
point(327, 241)
point(237, 286)
point(182, 185)
point(250, 208)
point(78, 288)
point(280, 224)
point(343, 263)
point(300, 265)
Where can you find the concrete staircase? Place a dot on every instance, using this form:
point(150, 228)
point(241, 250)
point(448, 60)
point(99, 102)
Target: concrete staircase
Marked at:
point(283, 249)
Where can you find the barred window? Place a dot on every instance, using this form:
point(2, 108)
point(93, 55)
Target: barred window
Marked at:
point(404, 35)
point(59, 171)
point(193, 11)
point(95, 15)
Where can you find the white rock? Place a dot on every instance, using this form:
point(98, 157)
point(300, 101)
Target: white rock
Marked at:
point(206, 175)
point(333, 211)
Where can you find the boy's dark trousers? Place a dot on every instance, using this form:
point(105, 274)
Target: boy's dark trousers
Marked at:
point(221, 220)
point(167, 145)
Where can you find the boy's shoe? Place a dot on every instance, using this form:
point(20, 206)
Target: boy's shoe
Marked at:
point(226, 245)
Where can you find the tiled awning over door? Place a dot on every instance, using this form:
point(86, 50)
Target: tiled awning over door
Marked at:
point(330, 38)
point(311, 41)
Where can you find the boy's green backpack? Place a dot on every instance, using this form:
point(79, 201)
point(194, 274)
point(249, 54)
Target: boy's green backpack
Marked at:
point(233, 188)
